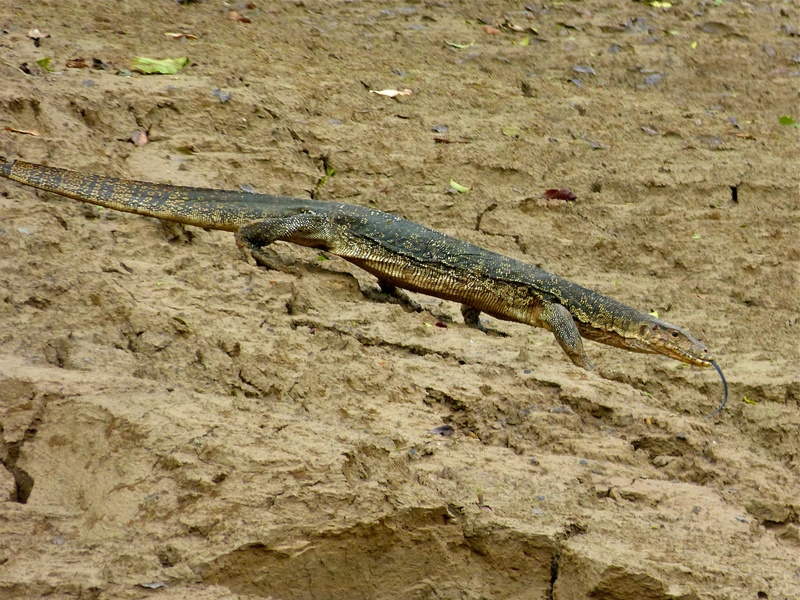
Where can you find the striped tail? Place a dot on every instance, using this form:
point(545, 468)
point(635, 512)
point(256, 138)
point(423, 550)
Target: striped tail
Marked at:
point(203, 207)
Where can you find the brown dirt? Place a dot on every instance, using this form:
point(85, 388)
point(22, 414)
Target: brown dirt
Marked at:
point(171, 413)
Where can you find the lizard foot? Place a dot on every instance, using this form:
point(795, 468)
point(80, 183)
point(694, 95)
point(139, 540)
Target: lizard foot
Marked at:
point(265, 257)
point(391, 293)
point(472, 318)
point(272, 261)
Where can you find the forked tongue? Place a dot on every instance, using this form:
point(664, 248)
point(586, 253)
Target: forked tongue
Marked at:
point(724, 389)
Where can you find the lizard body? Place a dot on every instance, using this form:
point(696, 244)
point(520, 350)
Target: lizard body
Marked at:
point(398, 252)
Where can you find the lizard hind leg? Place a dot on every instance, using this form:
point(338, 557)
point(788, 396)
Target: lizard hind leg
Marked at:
point(253, 238)
point(263, 257)
point(389, 292)
point(472, 318)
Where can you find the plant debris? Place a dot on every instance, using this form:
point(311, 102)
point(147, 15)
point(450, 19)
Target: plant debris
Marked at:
point(77, 63)
point(392, 93)
point(562, 194)
point(152, 66)
point(44, 63)
point(22, 131)
point(37, 36)
point(461, 189)
point(180, 35)
point(460, 46)
point(235, 16)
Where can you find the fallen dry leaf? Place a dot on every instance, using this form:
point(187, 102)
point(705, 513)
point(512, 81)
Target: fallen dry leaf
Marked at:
point(490, 30)
point(235, 16)
point(562, 194)
point(163, 66)
point(36, 34)
point(513, 26)
point(392, 93)
point(179, 35)
point(77, 63)
point(22, 131)
point(441, 140)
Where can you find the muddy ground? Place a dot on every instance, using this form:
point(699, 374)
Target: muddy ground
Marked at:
point(179, 423)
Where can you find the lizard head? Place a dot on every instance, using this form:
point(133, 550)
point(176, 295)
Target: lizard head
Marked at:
point(662, 338)
point(672, 341)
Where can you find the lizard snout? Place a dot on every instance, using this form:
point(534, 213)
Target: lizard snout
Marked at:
point(676, 343)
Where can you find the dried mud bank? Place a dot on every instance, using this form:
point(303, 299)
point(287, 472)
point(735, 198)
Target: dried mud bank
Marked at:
point(178, 422)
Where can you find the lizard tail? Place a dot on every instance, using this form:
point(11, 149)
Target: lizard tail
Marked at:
point(209, 208)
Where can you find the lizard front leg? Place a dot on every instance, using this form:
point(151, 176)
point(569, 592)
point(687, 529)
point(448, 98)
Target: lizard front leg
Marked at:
point(558, 320)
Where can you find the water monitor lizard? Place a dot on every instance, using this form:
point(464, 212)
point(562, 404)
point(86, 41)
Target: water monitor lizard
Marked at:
point(398, 252)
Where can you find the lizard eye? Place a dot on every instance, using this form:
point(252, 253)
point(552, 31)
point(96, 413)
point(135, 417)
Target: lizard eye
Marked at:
point(675, 334)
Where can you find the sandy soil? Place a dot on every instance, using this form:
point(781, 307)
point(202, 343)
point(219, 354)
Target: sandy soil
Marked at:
point(178, 423)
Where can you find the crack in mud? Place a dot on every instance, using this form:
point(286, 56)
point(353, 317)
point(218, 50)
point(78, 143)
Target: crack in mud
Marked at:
point(369, 341)
point(554, 564)
point(23, 482)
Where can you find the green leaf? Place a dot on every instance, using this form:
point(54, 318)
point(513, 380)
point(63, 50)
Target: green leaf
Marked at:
point(45, 64)
point(748, 401)
point(526, 41)
point(512, 131)
point(789, 121)
point(166, 66)
point(461, 189)
point(654, 313)
point(460, 46)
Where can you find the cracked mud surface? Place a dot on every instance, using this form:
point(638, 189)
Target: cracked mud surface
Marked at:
point(172, 414)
